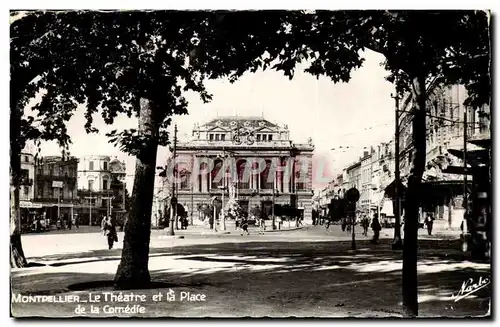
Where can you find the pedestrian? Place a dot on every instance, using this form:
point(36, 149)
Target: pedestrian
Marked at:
point(365, 223)
point(244, 226)
point(327, 225)
point(429, 221)
point(376, 229)
point(211, 222)
point(262, 226)
point(299, 222)
point(76, 222)
point(70, 222)
point(103, 224)
point(280, 221)
point(110, 231)
point(343, 224)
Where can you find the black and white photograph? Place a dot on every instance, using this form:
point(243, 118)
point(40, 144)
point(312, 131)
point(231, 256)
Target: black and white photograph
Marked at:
point(250, 163)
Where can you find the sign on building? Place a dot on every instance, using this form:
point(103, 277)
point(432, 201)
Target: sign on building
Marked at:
point(57, 184)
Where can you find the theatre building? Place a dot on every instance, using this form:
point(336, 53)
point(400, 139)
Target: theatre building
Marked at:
point(262, 166)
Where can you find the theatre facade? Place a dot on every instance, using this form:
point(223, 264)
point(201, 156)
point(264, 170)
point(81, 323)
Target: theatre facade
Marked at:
point(249, 158)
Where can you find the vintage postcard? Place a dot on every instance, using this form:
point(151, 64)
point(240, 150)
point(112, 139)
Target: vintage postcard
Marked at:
point(230, 164)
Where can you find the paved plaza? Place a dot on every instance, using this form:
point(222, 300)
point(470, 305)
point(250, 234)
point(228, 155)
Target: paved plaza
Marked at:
point(305, 272)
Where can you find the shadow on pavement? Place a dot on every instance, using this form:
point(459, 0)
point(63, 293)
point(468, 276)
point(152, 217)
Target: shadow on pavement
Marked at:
point(293, 277)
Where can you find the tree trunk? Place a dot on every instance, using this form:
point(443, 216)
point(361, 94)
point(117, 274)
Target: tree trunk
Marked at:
point(17, 258)
point(412, 200)
point(133, 270)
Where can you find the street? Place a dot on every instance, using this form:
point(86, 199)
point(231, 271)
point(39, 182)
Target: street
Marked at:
point(307, 272)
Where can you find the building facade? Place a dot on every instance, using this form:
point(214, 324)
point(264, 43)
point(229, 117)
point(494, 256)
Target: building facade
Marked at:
point(259, 160)
point(445, 132)
point(366, 186)
point(56, 187)
point(27, 189)
point(27, 181)
point(101, 188)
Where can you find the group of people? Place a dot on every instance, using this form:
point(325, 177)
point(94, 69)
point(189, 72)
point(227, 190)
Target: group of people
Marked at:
point(67, 223)
point(346, 225)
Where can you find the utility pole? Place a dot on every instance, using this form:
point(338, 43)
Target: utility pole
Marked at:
point(397, 243)
point(223, 216)
point(59, 204)
point(173, 198)
point(90, 207)
point(192, 204)
point(174, 186)
point(465, 219)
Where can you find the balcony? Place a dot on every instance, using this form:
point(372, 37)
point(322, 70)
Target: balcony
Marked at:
point(69, 180)
point(243, 186)
point(26, 181)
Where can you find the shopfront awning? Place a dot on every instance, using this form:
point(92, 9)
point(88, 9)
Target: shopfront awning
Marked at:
point(390, 190)
point(387, 209)
point(29, 205)
point(474, 157)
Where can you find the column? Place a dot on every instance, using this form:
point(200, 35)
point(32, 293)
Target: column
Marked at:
point(209, 180)
point(204, 181)
point(194, 179)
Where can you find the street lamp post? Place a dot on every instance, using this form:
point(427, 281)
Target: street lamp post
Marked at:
point(397, 243)
point(465, 200)
point(192, 205)
point(352, 195)
point(90, 198)
point(173, 205)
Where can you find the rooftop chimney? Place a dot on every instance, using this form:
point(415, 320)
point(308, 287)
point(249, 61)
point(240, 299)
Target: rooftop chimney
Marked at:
point(365, 153)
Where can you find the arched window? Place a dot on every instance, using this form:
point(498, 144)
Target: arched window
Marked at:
point(266, 181)
point(216, 180)
point(243, 181)
point(185, 177)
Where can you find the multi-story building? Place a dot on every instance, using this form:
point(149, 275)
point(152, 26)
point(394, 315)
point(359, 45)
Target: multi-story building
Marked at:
point(56, 187)
point(118, 186)
point(27, 180)
point(353, 173)
point(365, 190)
point(260, 159)
point(101, 188)
point(382, 176)
point(445, 131)
point(27, 188)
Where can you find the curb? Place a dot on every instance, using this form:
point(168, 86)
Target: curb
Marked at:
point(283, 230)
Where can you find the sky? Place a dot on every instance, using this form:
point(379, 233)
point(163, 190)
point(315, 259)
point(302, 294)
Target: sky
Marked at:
point(357, 114)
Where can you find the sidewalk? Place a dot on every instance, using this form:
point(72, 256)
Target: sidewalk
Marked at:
point(230, 229)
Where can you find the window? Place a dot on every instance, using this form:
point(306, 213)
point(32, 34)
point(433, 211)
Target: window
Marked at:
point(26, 191)
point(105, 165)
point(91, 185)
point(25, 174)
point(211, 137)
point(264, 137)
point(270, 137)
point(104, 184)
point(217, 137)
point(258, 137)
point(223, 137)
point(26, 159)
point(91, 165)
